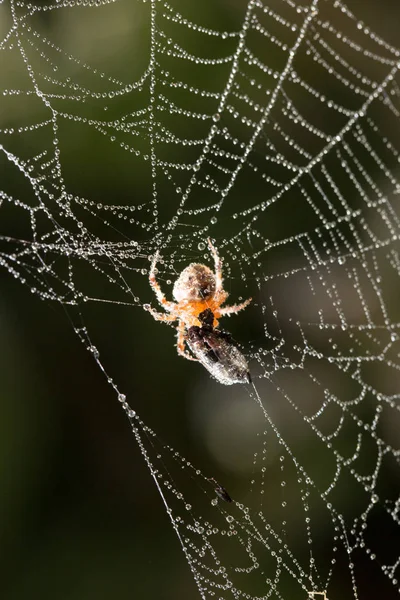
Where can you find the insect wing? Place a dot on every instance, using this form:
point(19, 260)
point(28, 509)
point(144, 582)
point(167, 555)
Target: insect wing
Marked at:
point(229, 358)
point(223, 494)
point(216, 352)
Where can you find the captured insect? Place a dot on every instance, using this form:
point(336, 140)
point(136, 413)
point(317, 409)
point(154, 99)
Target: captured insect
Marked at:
point(217, 351)
point(220, 491)
point(196, 290)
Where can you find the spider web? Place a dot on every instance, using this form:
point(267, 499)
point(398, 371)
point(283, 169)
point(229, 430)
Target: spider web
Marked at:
point(277, 137)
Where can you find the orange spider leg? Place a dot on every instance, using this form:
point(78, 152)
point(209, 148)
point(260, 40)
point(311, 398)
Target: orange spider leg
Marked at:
point(218, 266)
point(156, 286)
point(159, 316)
point(180, 344)
point(220, 297)
point(230, 310)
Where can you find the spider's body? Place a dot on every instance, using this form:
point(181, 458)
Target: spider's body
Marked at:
point(195, 283)
point(196, 290)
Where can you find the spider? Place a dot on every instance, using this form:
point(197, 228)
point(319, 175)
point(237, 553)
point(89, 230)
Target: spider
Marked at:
point(196, 289)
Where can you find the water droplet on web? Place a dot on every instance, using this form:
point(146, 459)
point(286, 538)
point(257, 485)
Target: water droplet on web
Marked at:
point(94, 351)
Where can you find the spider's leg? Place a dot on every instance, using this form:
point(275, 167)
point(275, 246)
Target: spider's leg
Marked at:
point(159, 316)
point(180, 344)
point(220, 297)
point(230, 310)
point(218, 266)
point(156, 286)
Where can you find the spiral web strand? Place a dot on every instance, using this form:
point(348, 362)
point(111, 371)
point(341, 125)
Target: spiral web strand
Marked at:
point(302, 102)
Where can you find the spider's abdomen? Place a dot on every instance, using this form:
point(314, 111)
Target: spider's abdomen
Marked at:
point(195, 283)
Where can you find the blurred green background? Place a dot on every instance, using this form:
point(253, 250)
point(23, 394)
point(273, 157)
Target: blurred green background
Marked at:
point(80, 515)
